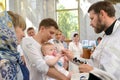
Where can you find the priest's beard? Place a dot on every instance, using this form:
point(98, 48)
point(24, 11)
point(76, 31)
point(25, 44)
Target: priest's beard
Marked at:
point(99, 26)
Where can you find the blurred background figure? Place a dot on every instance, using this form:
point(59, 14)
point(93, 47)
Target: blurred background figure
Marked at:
point(30, 31)
point(57, 41)
point(98, 40)
point(63, 41)
point(76, 47)
point(59, 46)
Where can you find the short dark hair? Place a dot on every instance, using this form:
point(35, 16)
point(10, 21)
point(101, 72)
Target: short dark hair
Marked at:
point(48, 22)
point(75, 34)
point(103, 5)
point(58, 30)
point(99, 38)
point(30, 28)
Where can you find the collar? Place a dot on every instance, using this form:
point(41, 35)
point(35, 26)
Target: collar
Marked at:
point(56, 41)
point(110, 29)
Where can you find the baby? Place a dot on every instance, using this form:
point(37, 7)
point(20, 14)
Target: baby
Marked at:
point(53, 58)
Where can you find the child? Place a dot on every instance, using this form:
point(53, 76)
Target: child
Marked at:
point(54, 59)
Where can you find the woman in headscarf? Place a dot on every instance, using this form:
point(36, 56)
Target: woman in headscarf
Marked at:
point(12, 28)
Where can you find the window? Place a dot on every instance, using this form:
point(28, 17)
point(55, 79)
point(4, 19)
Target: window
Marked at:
point(67, 16)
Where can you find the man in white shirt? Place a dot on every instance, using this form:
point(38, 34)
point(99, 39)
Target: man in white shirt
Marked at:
point(34, 57)
point(105, 60)
point(19, 49)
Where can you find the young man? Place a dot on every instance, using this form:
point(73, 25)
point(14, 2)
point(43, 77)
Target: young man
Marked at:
point(105, 60)
point(30, 31)
point(34, 57)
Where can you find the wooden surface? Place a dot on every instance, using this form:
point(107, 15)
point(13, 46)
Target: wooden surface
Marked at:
point(86, 53)
point(68, 41)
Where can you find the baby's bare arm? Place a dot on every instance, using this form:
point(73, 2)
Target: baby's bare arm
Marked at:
point(52, 62)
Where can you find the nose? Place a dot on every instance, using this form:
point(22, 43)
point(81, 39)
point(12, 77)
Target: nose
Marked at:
point(91, 24)
point(52, 35)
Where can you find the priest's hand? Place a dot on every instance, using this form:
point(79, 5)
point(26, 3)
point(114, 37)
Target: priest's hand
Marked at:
point(85, 68)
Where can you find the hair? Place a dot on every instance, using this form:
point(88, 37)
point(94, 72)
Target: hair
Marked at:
point(58, 30)
point(48, 22)
point(75, 34)
point(99, 38)
point(44, 45)
point(103, 5)
point(17, 20)
point(30, 28)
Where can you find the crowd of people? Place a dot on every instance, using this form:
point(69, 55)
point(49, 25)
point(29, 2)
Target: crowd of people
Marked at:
point(41, 58)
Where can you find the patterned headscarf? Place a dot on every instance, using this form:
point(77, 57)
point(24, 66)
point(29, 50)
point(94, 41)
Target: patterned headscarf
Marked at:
point(7, 33)
point(9, 57)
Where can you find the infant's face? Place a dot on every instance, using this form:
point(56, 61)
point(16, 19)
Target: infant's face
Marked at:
point(50, 50)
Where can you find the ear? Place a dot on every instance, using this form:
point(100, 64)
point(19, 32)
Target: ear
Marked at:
point(42, 28)
point(103, 13)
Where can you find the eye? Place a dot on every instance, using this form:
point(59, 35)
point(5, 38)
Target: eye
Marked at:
point(51, 49)
point(51, 32)
point(91, 18)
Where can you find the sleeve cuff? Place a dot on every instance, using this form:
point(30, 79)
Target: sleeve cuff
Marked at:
point(79, 61)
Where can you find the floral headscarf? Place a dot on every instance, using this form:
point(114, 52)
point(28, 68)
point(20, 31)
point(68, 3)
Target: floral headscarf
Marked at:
point(9, 57)
point(7, 33)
